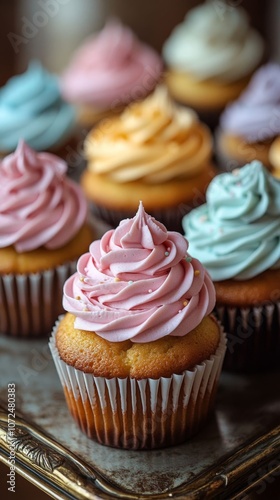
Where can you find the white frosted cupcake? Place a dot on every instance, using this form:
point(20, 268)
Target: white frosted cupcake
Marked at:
point(210, 56)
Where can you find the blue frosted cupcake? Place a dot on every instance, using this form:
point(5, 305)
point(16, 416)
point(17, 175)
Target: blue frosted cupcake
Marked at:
point(31, 108)
point(236, 235)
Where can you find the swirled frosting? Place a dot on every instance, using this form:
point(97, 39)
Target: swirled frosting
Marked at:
point(154, 140)
point(236, 234)
point(111, 68)
point(139, 283)
point(214, 41)
point(31, 107)
point(39, 205)
point(255, 116)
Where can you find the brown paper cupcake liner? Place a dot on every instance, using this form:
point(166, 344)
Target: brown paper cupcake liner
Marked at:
point(31, 303)
point(253, 337)
point(141, 414)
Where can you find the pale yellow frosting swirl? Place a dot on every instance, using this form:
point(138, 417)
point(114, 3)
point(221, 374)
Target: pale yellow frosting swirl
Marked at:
point(154, 141)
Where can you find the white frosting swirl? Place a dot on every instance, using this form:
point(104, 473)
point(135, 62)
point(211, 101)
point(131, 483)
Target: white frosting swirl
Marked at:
point(214, 43)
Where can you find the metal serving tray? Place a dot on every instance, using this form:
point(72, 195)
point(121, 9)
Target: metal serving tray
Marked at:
point(237, 452)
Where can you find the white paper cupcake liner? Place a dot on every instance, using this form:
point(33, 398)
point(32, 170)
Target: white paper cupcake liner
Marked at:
point(31, 303)
point(253, 336)
point(141, 414)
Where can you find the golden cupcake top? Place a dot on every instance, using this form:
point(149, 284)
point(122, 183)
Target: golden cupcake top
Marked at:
point(154, 140)
point(274, 157)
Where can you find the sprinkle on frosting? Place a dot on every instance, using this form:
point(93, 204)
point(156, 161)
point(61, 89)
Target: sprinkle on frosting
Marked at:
point(236, 171)
point(39, 204)
point(241, 237)
point(135, 251)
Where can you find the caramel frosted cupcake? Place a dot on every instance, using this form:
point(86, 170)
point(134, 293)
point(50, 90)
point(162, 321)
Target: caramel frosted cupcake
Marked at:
point(138, 353)
point(236, 235)
point(109, 70)
point(43, 229)
point(155, 151)
point(210, 56)
point(249, 125)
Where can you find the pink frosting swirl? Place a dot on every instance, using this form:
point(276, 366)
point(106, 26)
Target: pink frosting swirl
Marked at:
point(111, 68)
point(39, 205)
point(139, 283)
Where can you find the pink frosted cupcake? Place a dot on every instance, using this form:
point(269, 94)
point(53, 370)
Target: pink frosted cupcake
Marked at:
point(138, 353)
point(43, 229)
point(110, 70)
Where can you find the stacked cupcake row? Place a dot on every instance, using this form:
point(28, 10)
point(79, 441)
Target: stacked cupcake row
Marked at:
point(150, 146)
point(138, 353)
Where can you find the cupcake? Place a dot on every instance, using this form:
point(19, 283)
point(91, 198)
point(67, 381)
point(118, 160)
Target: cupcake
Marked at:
point(110, 70)
point(210, 56)
point(236, 235)
point(274, 157)
point(155, 151)
point(138, 352)
point(249, 125)
point(31, 108)
point(43, 229)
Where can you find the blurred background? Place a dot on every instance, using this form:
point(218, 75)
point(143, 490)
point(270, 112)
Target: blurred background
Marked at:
point(51, 29)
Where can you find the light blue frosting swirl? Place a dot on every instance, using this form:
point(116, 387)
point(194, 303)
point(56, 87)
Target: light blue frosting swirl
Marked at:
point(236, 233)
point(31, 108)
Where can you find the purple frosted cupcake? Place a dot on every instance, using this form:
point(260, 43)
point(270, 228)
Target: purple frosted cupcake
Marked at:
point(249, 125)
